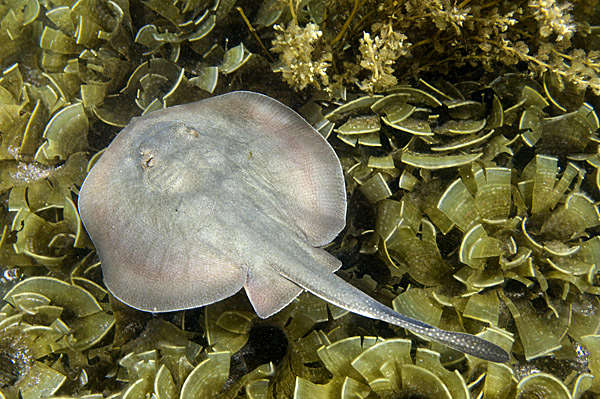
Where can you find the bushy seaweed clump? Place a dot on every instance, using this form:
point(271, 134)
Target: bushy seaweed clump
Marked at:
point(370, 42)
point(473, 205)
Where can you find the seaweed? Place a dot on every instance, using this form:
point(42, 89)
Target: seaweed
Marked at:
point(468, 137)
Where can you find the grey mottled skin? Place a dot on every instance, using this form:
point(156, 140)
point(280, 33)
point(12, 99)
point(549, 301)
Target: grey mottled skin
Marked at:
point(192, 203)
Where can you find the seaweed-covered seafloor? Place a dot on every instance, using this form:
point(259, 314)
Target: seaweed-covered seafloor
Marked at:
point(468, 137)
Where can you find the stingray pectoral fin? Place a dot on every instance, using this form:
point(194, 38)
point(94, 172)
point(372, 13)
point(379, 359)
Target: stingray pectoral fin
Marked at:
point(302, 165)
point(268, 291)
point(164, 279)
point(337, 291)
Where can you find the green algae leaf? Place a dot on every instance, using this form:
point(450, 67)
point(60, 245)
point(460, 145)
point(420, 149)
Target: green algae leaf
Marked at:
point(590, 250)
point(34, 236)
point(46, 314)
point(392, 214)
point(554, 88)
point(177, 361)
point(407, 181)
point(484, 307)
point(92, 287)
point(411, 125)
point(58, 42)
point(476, 246)
point(32, 135)
point(338, 356)
point(444, 89)
point(396, 113)
point(27, 301)
point(164, 386)
point(542, 385)
point(424, 382)
point(585, 209)
point(592, 344)
point(305, 389)
point(149, 36)
point(572, 131)
point(166, 10)
point(360, 172)
point(493, 196)
point(546, 181)
point(11, 321)
point(376, 188)
point(236, 322)
point(368, 363)
point(136, 390)
point(499, 381)
point(312, 309)
point(458, 205)
point(351, 140)
point(257, 389)
point(93, 94)
point(461, 127)
point(71, 216)
point(222, 332)
point(208, 378)
point(72, 297)
point(537, 335)
point(582, 384)
point(46, 340)
point(41, 381)
point(389, 102)
point(531, 124)
point(116, 110)
point(587, 112)
point(307, 350)
point(66, 133)
point(234, 58)
point(357, 105)
point(585, 317)
point(546, 169)
point(421, 256)
point(12, 80)
point(496, 116)
point(325, 127)
point(417, 303)
point(530, 240)
point(360, 125)
point(205, 27)
point(533, 98)
point(369, 140)
point(436, 161)
point(453, 381)
point(578, 214)
point(87, 31)
point(89, 330)
point(466, 110)
point(12, 122)
point(479, 279)
point(269, 12)
point(463, 142)
point(418, 96)
point(207, 79)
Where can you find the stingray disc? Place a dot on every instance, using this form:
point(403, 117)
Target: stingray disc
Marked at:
point(187, 200)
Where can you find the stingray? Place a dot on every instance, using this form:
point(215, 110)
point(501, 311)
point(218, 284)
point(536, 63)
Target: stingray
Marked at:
point(192, 203)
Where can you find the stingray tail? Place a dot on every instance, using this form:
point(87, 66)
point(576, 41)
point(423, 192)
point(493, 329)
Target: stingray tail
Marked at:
point(333, 289)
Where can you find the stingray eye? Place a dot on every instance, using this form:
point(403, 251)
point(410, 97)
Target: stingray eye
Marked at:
point(147, 159)
point(181, 129)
